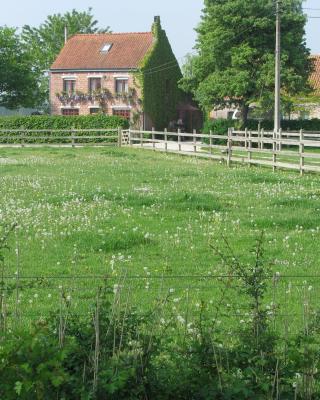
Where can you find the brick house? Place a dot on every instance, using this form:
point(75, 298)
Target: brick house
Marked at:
point(97, 73)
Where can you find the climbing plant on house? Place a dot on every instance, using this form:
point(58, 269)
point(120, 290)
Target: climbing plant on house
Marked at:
point(158, 76)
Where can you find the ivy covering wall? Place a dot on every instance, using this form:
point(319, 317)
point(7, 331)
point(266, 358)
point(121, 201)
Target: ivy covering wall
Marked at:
point(159, 75)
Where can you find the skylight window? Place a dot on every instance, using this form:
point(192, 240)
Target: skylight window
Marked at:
point(106, 47)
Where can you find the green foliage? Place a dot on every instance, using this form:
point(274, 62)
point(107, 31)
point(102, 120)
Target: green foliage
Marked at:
point(137, 357)
point(33, 365)
point(44, 122)
point(235, 64)
point(158, 76)
point(18, 85)
point(293, 125)
point(44, 43)
point(220, 126)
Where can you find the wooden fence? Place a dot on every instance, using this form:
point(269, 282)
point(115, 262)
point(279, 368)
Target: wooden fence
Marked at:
point(291, 150)
point(62, 137)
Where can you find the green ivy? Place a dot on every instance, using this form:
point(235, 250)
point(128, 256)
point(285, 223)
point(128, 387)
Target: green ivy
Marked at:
point(158, 76)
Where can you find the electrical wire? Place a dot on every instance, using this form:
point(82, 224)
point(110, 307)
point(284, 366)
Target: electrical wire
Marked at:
point(174, 63)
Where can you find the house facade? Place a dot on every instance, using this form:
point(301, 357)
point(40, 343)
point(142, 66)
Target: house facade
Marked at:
point(107, 73)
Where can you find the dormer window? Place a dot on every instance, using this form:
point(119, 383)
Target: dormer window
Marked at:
point(106, 48)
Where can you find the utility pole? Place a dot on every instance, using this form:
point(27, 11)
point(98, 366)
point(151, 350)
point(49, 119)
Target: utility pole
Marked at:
point(277, 116)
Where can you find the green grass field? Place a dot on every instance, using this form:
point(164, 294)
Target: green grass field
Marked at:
point(143, 220)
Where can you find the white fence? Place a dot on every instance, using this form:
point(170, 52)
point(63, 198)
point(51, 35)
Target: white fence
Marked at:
point(292, 150)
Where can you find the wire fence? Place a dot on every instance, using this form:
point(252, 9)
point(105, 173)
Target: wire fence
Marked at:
point(291, 300)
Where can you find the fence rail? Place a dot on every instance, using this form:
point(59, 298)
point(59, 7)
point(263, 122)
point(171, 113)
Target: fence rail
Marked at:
point(291, 150)
point(65, 137)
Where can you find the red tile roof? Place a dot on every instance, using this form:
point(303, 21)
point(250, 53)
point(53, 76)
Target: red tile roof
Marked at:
point(83, 51)
point(315, 75)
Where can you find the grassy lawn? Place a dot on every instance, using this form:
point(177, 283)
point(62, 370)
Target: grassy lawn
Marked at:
point(141, 219)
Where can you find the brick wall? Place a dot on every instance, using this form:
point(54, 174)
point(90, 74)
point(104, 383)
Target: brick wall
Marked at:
point(108, 81)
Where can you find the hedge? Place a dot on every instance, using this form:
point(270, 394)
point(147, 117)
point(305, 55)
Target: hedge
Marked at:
point(44, 122)
point(220, 126)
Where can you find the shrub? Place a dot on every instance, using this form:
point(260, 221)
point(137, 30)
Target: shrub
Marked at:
point(138, 356)
point(220, 126)
point(49, 123)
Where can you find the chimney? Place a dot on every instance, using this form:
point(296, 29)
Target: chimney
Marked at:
point(65, 34)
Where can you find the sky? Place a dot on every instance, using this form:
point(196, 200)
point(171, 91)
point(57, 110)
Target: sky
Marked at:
point(179, 17)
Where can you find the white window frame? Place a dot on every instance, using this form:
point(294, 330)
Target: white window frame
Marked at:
point(119, 78)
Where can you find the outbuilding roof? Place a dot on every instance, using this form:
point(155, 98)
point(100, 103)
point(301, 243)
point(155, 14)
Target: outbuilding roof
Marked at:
point(315, 75)
point(104, 51)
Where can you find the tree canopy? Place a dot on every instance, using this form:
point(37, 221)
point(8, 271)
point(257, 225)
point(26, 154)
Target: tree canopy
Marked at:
point(18, 86)
point(44, 43)
point(234, 65)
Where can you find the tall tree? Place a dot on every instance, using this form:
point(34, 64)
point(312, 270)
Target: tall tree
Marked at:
point(18, 86)
point(45, 42)
point(234, 66)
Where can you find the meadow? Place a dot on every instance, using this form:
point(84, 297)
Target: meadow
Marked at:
point(147, 225)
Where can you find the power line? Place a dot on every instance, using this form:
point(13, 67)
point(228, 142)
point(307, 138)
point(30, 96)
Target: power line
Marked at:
point(169, 65)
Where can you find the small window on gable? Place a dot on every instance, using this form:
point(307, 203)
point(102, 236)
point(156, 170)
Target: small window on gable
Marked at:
point(106, 48)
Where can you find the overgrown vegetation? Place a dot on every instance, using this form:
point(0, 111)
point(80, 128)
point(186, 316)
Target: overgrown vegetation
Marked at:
point(158, 76)
point(118, 353)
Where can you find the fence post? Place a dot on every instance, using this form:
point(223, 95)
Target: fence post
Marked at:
point(246, 138)
point(229, 155)
point(274, 149)
point(153, 139)
point(22, 136)
point(280, 140)
point(262, 136)
point(73, 144)
point(210, 141)
point(141, 137)
point(179, 139)
point(165, 140)
point(249, 148)
point(119, 136)
point(129, 137)
point(301, 151)
point(194, 141)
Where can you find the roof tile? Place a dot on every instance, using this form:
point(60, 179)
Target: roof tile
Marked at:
point(83, 51)
point(315, 75)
